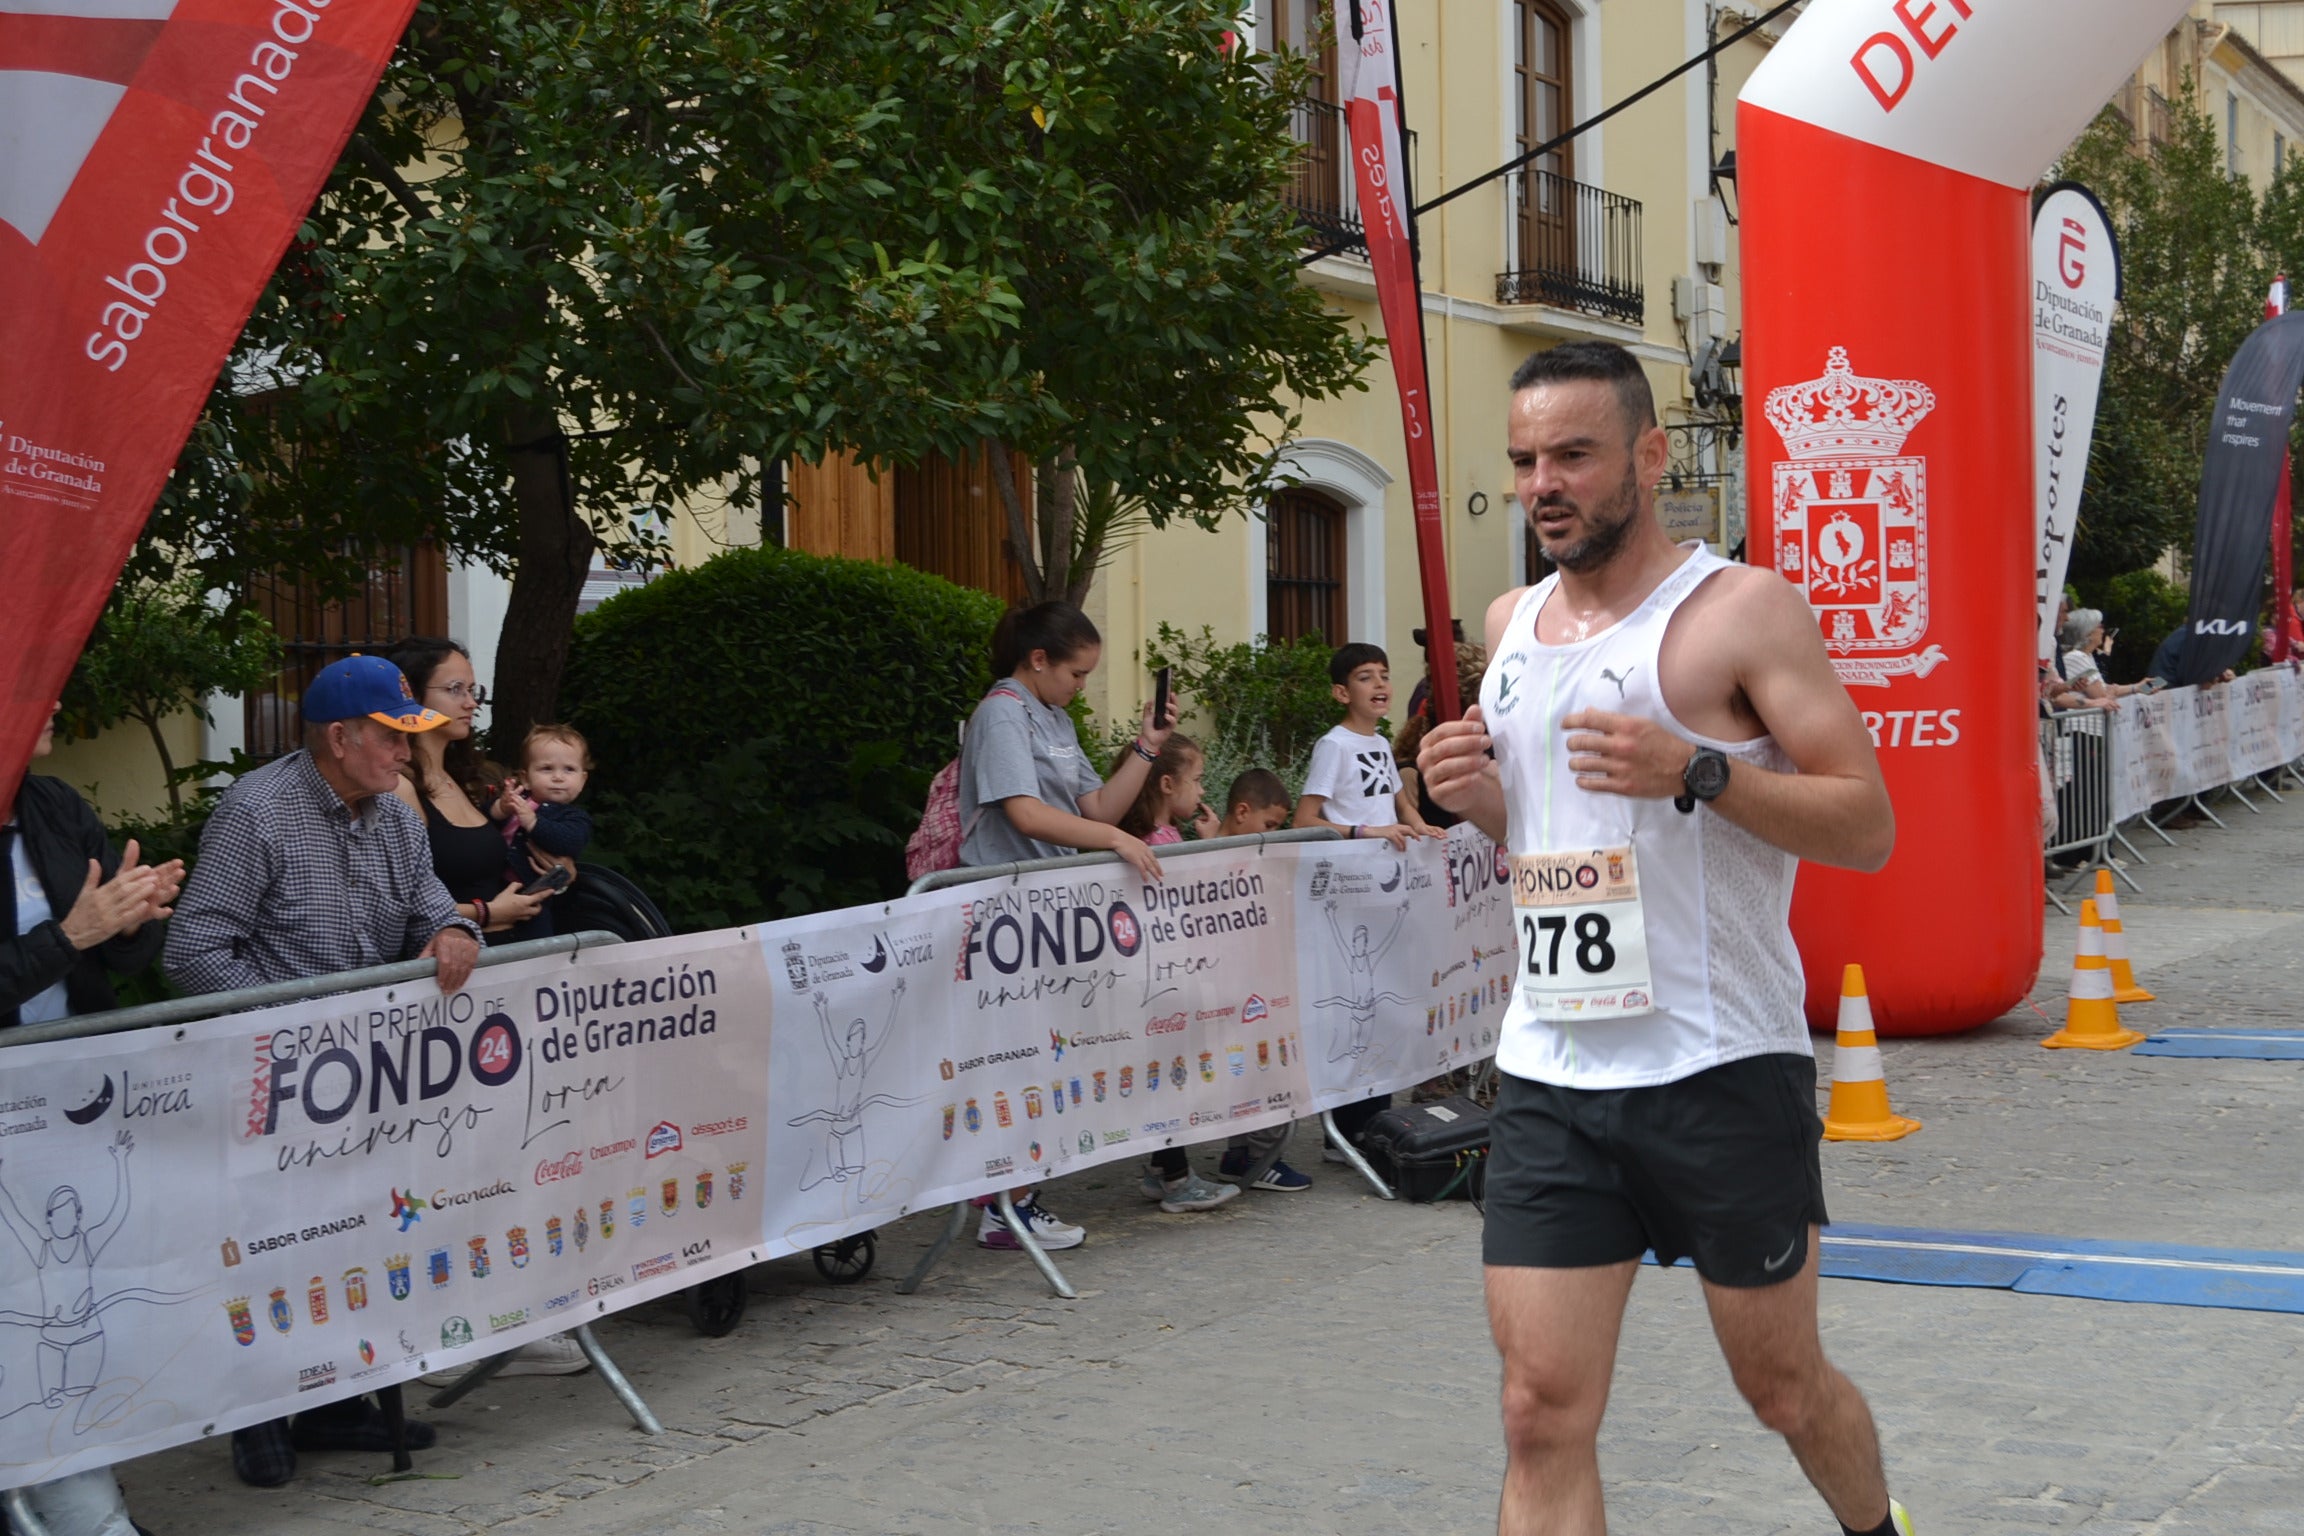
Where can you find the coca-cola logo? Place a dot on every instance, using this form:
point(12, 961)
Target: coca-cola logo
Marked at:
point(556, 1169)
point(1166, 1025)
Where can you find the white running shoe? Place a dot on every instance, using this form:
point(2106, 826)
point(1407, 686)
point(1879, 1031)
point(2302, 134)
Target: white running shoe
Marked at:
point(1049, 1230)
point(1898, 1518)
point(557, 1355)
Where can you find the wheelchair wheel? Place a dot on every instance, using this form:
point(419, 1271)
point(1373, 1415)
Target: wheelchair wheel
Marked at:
point(717, 1306)
point(848, 1260)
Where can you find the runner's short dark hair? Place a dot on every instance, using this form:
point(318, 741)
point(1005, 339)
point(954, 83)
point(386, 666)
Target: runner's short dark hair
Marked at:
point(1599, 362)
point(1351, 658)
point(1258, 789)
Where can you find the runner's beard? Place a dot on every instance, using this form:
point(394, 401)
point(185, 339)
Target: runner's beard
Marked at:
point(1608, 528)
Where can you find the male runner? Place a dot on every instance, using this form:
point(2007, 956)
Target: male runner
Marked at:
point(1660, 738)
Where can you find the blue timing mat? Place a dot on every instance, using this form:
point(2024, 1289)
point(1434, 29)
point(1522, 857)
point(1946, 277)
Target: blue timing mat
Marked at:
point(2247, 1045)
point(2167, 1274)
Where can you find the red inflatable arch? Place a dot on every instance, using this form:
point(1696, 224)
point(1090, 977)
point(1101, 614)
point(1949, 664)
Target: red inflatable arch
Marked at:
point(1885, 152)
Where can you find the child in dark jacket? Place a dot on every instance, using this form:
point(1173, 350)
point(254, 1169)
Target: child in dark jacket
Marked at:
point(542, 820)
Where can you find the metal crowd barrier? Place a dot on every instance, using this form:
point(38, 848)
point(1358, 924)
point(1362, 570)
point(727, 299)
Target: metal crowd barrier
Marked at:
point(2076, 746)
point(984, 873)
point(185, 1010)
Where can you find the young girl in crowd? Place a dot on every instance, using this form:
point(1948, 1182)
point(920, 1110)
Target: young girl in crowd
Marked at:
point(1172, 793)
point(1027, 791)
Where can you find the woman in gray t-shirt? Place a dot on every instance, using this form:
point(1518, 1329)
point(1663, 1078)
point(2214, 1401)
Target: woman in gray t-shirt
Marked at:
point(1027, 791)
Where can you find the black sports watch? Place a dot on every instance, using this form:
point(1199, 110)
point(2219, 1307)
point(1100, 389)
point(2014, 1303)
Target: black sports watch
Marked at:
point(1705, 777)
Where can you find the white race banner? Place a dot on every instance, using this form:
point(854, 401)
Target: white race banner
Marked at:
point(2075, 284)
point(232, 1220)
point(1038, 1024)
point(2256, 722)
point(2188, 741)
point(2212, 751)
point(1401, 986)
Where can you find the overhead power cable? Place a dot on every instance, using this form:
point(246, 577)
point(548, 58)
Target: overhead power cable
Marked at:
point(1549, 145)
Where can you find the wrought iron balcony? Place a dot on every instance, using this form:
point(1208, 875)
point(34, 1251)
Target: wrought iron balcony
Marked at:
point(1572, 246)
point(1322, 196)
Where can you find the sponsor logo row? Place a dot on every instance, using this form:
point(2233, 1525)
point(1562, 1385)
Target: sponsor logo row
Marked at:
point(1097, 1086)
point(351, 1290)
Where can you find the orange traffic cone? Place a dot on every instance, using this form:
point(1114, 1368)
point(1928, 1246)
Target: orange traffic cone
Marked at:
point(2091, 1018)
point(1859, 1109)
point(2124, 988)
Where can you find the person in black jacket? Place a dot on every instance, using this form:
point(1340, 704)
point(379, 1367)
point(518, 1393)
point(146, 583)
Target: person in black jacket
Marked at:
point(73, 908)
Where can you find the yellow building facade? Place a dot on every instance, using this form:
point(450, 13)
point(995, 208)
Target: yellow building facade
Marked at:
point(2242, 67)
point(1625, 234)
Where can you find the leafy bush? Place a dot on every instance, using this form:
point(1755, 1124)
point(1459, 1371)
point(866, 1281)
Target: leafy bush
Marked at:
point(764, 726)
point(2144, 606)
point(1257, 704)
point(160, 648)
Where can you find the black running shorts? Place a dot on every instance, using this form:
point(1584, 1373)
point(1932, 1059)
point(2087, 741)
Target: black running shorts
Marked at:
point(1721, 1166)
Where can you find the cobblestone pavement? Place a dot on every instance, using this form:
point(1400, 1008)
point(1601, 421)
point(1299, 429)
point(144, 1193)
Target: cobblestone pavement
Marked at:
point(1320, 1362)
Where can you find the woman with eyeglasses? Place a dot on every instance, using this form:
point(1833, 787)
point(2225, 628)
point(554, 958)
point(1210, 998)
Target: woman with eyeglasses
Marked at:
point(446, 782)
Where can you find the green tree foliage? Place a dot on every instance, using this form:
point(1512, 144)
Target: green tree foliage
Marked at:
point(2143, 606)
point(584, 262)
point(2197, 249)
point(160, 648)
point(763, 727)
point(1259, 704)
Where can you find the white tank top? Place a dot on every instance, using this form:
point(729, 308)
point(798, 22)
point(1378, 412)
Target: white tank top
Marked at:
point(1717, 900)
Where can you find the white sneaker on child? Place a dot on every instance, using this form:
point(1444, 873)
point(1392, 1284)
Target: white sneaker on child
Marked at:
point(1048, 1230)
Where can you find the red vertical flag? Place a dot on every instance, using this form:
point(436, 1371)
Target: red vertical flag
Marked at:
point(160, 155)
point(1368, 67)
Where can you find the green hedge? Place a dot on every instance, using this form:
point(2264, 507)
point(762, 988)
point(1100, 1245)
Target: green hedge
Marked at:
point(764, 727)
point(2144, 606)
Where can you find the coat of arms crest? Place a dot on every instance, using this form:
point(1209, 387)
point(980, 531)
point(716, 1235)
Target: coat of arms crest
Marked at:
point(1851, 517)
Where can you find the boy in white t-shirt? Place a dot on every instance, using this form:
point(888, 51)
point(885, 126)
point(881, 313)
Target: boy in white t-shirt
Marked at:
point(1354, 785)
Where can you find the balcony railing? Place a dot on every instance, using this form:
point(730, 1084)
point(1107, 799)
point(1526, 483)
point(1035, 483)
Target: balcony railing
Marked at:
point(1324, 198)
point(1572, 246)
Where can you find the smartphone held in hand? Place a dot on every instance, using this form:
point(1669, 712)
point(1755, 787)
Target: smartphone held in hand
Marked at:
point(551, 881)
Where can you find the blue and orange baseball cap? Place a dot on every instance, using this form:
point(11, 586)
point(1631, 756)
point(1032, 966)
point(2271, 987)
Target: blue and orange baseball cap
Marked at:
point(367, 687)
